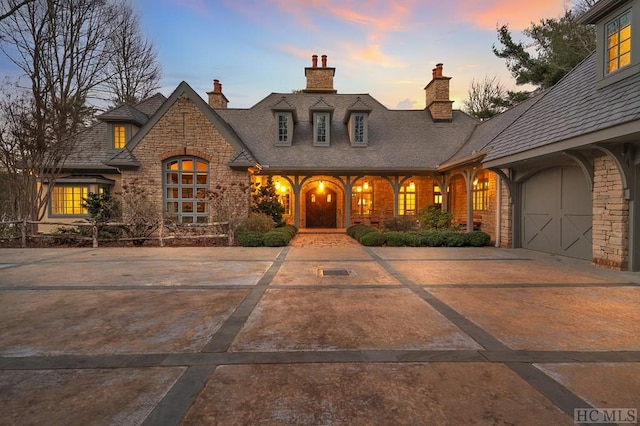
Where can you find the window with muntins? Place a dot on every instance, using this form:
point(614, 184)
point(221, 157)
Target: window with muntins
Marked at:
point(437, 195)
point(119, 137)
point(407, 199)
point(480, 194)
point(618, 42)
point(186, 185)
point(68, 200)
point(321, 129)
point(363, 204)
point(283, 129)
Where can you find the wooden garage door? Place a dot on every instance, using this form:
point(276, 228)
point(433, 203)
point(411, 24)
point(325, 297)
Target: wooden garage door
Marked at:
point(557, 213)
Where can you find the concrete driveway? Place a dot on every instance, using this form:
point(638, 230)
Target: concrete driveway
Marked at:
point(313, 335)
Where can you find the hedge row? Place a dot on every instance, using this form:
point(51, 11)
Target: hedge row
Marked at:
point(277, 237)
point(368, 236)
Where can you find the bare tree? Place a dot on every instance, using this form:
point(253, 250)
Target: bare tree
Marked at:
point(134, 69)
point(581, 6)
point(9, 9)
point(483, 98)
point(62, 49)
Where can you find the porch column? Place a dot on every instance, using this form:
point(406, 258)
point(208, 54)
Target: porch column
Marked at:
point(469, 178)
point(396, 194)
point(443, 184)
point(348, 188)
point(296, 202)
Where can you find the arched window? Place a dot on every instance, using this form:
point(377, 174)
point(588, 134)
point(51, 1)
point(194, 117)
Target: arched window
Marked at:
point(186, 186)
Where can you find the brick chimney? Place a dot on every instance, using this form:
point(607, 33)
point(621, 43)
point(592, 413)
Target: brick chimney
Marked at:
point(437, 96)
point(216, 98)
point(319, 79)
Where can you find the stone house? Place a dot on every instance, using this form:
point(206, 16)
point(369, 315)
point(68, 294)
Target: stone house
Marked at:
point(557, 173)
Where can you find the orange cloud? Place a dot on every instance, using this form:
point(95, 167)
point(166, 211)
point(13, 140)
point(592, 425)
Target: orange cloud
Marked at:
point(518, 15)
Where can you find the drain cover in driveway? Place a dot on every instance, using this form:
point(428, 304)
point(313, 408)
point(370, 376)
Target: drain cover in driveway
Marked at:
point(333, 272)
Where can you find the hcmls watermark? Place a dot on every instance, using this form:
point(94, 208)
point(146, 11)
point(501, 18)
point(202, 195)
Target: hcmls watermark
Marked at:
point(605, 415)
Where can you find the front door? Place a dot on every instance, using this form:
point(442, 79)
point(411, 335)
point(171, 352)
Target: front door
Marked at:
point(321, 209)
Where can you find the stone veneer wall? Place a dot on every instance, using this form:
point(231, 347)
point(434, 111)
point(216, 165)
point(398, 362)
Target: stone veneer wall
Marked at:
point(183, 130)
point(506, 218)
point(610, 216)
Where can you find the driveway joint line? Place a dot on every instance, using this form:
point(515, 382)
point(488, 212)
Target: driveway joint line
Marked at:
point(223, 338)
point(560, 396)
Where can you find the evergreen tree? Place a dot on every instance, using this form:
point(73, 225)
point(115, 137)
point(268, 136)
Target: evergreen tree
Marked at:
point(560, 44)
point(265, 200)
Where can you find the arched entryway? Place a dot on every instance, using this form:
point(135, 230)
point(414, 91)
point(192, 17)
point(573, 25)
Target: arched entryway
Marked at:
point(321, 208)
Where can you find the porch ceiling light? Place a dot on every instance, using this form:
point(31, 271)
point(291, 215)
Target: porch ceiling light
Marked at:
point(412, 185)
point(277, 184)
point(366, 185)
point(321, 185)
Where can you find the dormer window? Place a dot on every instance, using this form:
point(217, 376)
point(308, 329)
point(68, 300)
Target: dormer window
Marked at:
point(119, 136)
point(358, 129)
point(357, 121)
point(285, 116)
point(618, 34)
point(284, 128)
point(321, 128)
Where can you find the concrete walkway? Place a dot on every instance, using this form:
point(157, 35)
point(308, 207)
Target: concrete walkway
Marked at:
point(328, 335)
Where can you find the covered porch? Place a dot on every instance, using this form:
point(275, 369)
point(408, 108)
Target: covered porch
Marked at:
point(329, 201)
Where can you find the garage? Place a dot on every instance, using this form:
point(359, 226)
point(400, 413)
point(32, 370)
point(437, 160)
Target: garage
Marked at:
point(557, 213)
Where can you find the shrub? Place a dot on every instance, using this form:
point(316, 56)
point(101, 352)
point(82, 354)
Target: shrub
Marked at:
point(432, 217)
point(375, 238)
point(275, 239)
point(478, 239)
point(432, 239)
point(454, 239)
point(358, 231)
point(9, 231)
point(139, 211)
point(288, 230)
point(395, 239)
point(412, 239)
point(257, 222)
point(250, 239)
point(401, 224)
point(67, 234)
point(102, 207)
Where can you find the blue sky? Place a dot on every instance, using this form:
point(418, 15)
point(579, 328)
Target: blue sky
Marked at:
point(385, 48)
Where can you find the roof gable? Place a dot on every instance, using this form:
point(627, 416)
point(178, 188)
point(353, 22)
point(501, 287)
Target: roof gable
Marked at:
point(184, 90)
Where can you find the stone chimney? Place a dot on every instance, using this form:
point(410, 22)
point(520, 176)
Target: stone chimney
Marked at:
point(319, 79)
point(216, 98)
point(437, 96)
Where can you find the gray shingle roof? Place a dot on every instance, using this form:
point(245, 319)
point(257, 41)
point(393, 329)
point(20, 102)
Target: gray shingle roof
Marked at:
point(150, 105)
point(92, 150)
point(125, 114)
point(572, 108)
point(488, 130)
point(397, 140)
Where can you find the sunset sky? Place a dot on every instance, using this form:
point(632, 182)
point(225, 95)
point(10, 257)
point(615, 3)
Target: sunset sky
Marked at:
point(385, 48)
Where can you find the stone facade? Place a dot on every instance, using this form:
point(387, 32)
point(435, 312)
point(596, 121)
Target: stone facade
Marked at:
point(184, 131)
point(610, 216)
point(506, 217)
